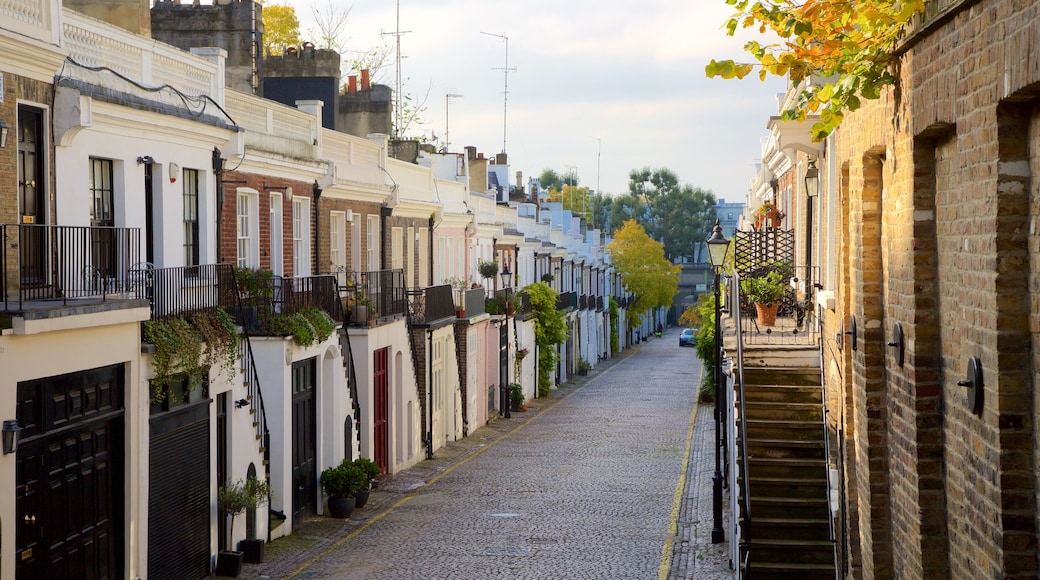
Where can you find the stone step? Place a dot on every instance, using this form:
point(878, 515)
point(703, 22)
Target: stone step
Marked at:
point(788, 430)
point(762, 411)
point(787, 487)
point(783, 394)
point(762, 569)
point(787, 507)
point(791, 468)
point(792, 552)
point(795, 377)
point(789, 529)
point(757, 448)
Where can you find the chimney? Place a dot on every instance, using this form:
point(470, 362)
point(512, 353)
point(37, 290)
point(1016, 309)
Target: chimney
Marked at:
point(501, 159)
point(480, 155)
point(471, 152)
point(364, 79)
point(519, 179)
point(352, 84)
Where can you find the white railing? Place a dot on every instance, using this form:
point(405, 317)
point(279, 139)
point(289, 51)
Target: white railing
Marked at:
point(93, 43)
point(32, 18)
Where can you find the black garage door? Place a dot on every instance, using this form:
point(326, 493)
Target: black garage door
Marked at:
point(69, 496)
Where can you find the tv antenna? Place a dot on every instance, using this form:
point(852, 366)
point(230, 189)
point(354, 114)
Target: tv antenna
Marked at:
point(397, 91)
point(447, 101)
point(505, 93)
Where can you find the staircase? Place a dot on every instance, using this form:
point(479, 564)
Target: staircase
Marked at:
point(787, 475)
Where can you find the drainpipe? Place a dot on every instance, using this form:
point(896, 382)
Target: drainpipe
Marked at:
point(429, 389)
point(218, 175)
point(316, 194)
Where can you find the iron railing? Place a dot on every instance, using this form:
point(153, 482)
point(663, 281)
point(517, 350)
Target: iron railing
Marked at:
point(181, 290)
point(567, 301)
point(743, 538)
point(264, 298)
point(50, 263)
point(373, 295)
point(796, 321)
point(427, 305)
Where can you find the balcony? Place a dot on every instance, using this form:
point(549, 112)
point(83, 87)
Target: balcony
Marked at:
point(372, 297)
point(264, 298)
point(81, 266)
point(567, 301)
point(427, 306)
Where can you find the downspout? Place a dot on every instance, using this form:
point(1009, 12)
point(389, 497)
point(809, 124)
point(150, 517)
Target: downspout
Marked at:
point(429, 389)
point(218, 175)
point(384, 213)
point(316, 193)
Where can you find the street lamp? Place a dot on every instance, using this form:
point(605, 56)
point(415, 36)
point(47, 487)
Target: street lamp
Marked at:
point(718, 246)
point(507, 392)
point(812, 189)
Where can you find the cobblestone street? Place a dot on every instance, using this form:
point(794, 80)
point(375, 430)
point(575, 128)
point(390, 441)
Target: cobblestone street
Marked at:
point(588, 483)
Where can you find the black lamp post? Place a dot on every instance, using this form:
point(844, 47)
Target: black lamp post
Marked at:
point(507, 391)
point(812, 189)
point(718, 246)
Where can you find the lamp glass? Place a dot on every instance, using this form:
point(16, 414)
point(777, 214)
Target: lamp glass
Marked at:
point(506, 276)
point(11, 431)
point(812, 180)
point(3, 134)
point(717, 246)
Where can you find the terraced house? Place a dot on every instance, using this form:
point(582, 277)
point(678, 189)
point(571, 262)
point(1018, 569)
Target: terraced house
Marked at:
point(202, 286)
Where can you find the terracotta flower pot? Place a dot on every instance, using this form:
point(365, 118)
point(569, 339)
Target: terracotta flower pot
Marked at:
point(767, 313)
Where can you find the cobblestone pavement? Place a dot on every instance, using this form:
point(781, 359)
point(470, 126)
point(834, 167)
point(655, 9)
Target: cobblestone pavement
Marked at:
point(589, 483)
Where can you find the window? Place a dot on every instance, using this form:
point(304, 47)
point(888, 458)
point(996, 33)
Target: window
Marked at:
point(372, 238)
point(248, 242)
point(337, 243)
point(102, 215)
point(397, 248)
point(301, 249)
point(190, 197)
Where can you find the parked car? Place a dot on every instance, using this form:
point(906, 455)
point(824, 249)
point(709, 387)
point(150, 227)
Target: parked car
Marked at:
point(686, 337)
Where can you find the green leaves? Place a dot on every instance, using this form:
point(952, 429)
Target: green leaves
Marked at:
point(851, 41)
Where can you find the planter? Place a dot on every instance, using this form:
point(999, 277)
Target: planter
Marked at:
point(252, 550)
point(361, 498)
point(767, 313)
point(341, 507)
point(228, 563)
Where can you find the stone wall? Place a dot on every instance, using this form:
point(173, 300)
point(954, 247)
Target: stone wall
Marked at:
point(943, 239)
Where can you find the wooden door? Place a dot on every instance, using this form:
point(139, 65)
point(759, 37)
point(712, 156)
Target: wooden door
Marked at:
point(304, 438)
point(381, 408)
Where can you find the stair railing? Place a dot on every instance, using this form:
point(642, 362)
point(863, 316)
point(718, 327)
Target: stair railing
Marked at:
point(827, 456)
point(744, 546)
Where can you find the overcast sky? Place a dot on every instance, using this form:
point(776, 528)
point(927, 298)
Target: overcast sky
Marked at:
point(606, 86)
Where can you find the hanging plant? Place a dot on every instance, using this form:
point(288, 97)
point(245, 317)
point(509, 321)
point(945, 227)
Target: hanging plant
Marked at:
point(189, 346)
point(320, 321)
point(295, 325)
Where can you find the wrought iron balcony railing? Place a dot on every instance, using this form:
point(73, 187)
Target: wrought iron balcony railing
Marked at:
point(63, 263)
point(427, 305)
point(567, 301)
point(372, 296)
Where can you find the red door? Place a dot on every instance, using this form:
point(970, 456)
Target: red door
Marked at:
point(381, 410)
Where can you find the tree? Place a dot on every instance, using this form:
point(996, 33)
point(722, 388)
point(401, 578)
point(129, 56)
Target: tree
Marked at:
point(645, 272)
point(844, 47)
point(281, 28)
point(680, 216)
point(550, 180)
point(331, 20)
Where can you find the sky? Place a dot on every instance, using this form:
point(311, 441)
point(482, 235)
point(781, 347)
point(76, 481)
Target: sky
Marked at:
point(600, 86)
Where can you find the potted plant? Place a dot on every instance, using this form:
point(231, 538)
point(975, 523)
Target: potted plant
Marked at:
point(765, 292)
point(232, 500)
point(516, 396)
point(257, 493)
point(583, 366)
point(340, 483)
point(371, 470)
point(487, 268)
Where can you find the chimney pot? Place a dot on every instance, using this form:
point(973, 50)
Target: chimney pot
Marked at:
point(364, 79)
point(352, 84)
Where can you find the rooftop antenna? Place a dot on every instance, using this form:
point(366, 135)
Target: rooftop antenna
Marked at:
point(447, 100)
point(397, 34)
point(505, 93)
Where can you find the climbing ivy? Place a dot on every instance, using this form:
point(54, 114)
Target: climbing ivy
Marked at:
point(550, 330)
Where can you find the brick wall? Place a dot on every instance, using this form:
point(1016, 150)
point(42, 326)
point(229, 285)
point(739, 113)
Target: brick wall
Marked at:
point(942, 211)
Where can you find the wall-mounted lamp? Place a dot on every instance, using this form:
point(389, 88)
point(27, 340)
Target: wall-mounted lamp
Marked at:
point(145, 160)
point(241, 403)
point(288, 193)
point(11, 433)
point(175, 172)
point(812, 179)
point(3, 134)
point(973, 383)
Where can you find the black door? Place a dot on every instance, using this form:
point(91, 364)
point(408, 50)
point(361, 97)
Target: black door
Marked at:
point(304, 456)
point(381, 408)
point(69, 476)
point(178, 495)
point(31, 189)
